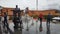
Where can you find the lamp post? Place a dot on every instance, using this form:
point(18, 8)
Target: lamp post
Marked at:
point(36, 21)
point(36, 4)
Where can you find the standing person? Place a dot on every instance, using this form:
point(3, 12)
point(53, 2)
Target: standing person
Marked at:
point(16, 11)
point(26, 13)
point(49, 18)
point(40, 18)
point(5, 21)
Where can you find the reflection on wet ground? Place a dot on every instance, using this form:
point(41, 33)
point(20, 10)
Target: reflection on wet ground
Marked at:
point(48, 29)
point(37, 28)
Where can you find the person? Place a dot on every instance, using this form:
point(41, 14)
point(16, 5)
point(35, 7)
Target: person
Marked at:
point(5, 21)
point(16, 11)
point(49, 18)
point(40, 18)
point(26, 18)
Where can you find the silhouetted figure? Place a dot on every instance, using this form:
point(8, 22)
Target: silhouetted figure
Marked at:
point(15, 18)
point(49, 18)
point(5, 20)
point(40, 18)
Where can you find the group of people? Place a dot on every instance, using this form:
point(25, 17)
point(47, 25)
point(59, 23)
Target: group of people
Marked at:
point(17, 18)
point(48, 20)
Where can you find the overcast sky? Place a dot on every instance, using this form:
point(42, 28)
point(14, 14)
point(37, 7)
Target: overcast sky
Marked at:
point(22, 4)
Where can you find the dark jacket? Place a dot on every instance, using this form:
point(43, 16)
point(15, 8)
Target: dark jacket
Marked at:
point(49, 17)
point(5, 17)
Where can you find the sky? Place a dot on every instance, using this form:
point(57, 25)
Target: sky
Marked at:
point(22, 4)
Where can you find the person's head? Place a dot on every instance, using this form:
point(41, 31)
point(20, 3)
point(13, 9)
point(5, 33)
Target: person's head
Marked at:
point(16, 6)
point(27, 8)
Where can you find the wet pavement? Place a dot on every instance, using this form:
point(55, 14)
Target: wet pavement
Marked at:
point(34, 28)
